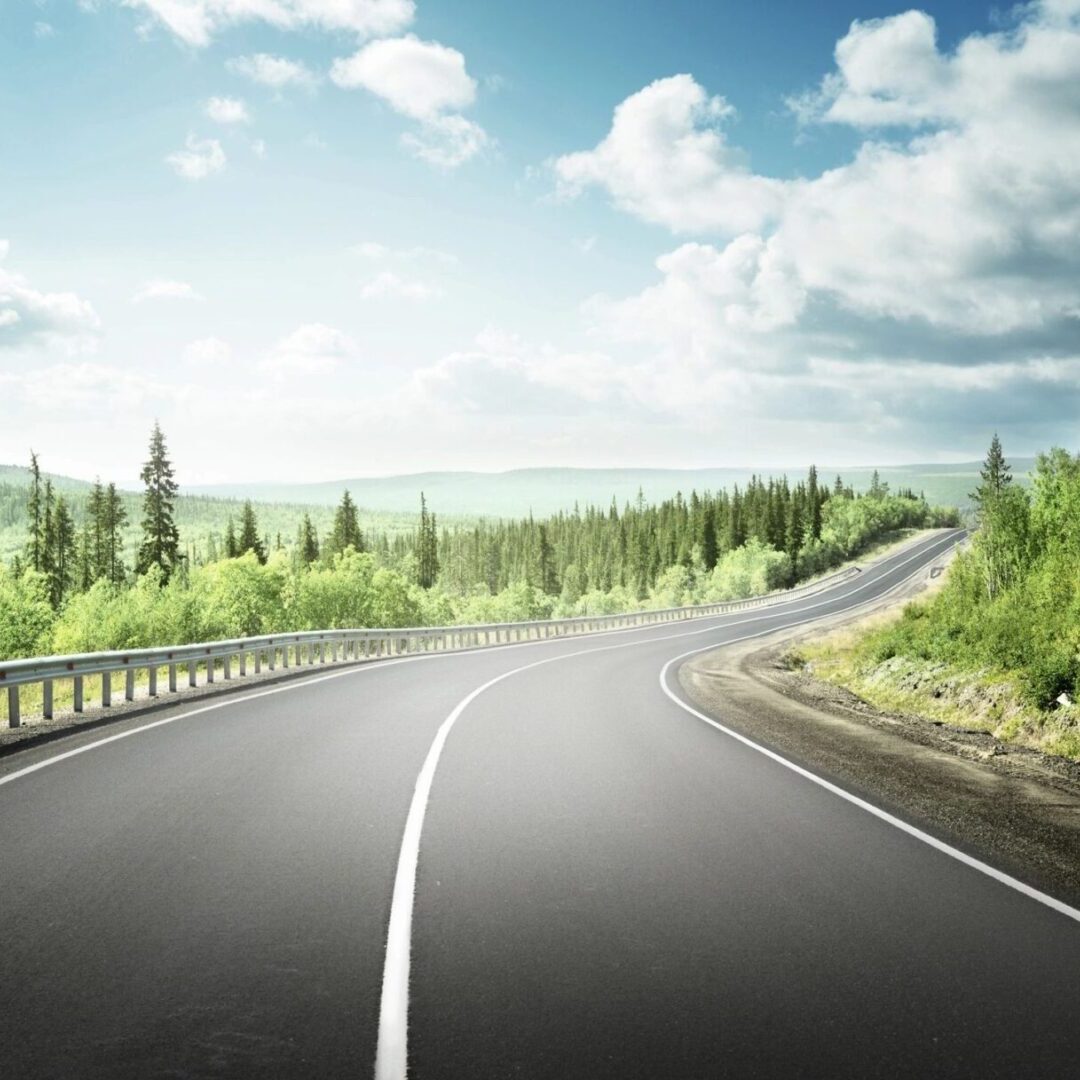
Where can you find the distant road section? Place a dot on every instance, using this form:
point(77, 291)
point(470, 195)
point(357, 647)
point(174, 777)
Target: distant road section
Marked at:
point(598, 882)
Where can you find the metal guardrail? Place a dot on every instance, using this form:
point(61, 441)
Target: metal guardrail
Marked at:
point(335, 646)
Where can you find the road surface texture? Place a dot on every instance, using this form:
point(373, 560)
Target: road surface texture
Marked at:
point(607, 885)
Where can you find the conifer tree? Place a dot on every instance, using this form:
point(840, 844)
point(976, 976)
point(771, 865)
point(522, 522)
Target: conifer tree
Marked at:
point(427, 548)
point(231, 547)
point(249, 534)
point(62, 568)
point(308, 542)
point(346, 529)
point(34, 512)
point(161, 539)
point(110, 529)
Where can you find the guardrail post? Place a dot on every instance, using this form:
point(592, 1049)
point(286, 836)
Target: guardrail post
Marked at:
point(209, 669)
point(271, 657)
point(285, 655)
point(228, 667)
point(47, 699)
point(193, 673)
point(129, 684)
point(151, 678)
point(172, 678)
point(14, 720)
point(258, 661)
point(106, 689)
point(77, 692)
point(243, 662)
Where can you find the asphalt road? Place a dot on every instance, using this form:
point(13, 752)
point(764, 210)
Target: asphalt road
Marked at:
point(607, 886)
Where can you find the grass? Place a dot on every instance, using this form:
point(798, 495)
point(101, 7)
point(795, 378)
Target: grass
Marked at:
point(980, 700)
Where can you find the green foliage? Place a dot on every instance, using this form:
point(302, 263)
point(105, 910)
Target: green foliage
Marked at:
point(1012, 602)
point(161, 539)
point(26, 615)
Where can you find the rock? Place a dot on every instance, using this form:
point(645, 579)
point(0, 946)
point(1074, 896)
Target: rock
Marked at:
point(1063, 699)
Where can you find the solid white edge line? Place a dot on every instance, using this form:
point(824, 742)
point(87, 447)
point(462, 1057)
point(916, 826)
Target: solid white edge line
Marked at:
point(380, 665)
point(968, 860)
point(392, 1046)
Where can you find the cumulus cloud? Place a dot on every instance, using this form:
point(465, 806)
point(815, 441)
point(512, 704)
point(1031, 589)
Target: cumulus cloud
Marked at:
point(421, 79)
point(227, 110)
point(275, 71)
point(426, 82)
point(966, 222)
point(199, 159)
point(312, 349)
point(29, 316)
point(667, 159)
point(163, 289)
point(197, 22)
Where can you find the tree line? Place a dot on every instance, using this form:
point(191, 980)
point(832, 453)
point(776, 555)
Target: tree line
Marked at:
point(72, 590)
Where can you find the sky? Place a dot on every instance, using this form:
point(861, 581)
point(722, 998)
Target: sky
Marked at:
point(329, 238)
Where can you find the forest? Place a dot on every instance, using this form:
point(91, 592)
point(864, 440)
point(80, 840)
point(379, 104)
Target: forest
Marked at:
point(1011, 603)
point(79, 584)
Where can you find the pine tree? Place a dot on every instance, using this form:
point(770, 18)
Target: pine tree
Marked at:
point(346, 529)
point(97, 557)
point(308, 542)
point(34, 512)
point(110, 529)
point(427, 548)
point(161, 539)
point(63, 553)
point(249, 534)
point(231, 547)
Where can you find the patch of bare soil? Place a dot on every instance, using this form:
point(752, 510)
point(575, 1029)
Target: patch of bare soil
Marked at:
point(1014, 807)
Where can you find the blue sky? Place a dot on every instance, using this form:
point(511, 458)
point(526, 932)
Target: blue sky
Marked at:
point(359, 237)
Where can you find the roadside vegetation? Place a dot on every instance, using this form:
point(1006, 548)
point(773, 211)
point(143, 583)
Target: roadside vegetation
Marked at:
point(997, 648)
point(77, 586)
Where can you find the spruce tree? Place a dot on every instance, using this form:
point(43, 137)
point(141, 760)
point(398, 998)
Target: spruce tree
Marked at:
point(249, 534)
point(427, 548)
point(346, 529)
point(308, 542)
point(231, 547)
point(113, 519)
point(34, 513)
point(62, 559)
point(161, 539)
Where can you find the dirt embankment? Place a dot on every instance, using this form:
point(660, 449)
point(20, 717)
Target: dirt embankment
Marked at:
point(1013, 806)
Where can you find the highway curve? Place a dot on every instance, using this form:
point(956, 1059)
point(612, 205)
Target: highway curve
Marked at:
point(607, 885)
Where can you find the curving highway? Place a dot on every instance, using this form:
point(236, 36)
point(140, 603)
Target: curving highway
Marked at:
point(531, 861)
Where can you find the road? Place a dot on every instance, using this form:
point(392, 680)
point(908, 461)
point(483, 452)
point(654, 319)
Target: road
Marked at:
point(606, 885)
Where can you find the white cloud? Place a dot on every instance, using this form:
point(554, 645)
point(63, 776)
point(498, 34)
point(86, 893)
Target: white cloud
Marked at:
point(446, 141)
point(388, 285)
point(199, 159)
point(43, 30)
point(258, 148)
point(196, 22)
point(163, 289)
point(210, 352)
point(312, 349)
point(667, 160)
point(967, 224)
point(427, 82)
point(275, 71)
point(421, 79)
point(227, 110)
point(29, 316)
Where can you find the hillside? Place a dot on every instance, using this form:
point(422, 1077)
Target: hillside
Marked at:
point(547, 491)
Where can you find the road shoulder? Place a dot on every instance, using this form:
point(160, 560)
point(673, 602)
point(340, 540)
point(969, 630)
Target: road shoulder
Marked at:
point(1013, 807)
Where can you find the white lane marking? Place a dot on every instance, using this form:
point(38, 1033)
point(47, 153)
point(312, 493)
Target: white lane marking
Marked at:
point(381, 665)
point(911, 830)
point(391, 1053)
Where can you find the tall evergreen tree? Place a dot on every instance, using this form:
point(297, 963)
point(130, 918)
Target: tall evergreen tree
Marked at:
point(308, 541)
point(111, 531)
point(249, 534)
point(161, 539)
point(34, 512)
point(346, 529)
point(62, 569)
point(427, 548)
point(232, 549)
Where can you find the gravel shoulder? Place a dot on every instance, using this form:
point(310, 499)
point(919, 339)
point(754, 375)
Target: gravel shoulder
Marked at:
point(1014, 807)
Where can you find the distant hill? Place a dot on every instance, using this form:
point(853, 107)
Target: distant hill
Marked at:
point(547, 491)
